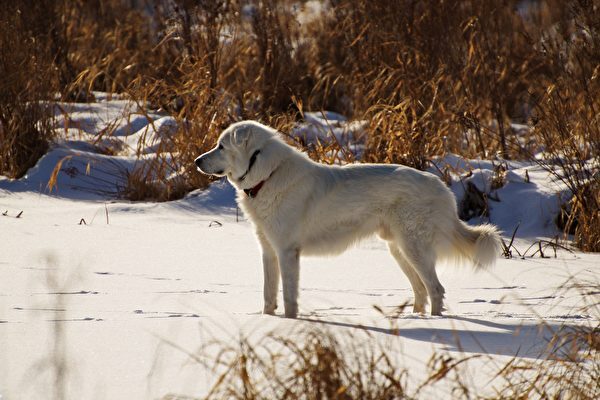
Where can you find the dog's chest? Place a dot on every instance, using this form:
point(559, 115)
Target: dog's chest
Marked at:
point(275, 215)
point(261, 211)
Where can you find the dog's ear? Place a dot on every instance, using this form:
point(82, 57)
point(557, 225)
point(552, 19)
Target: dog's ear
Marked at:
point(240, 135)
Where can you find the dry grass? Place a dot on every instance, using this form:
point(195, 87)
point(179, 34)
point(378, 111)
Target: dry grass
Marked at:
point(317, 366)
point(428, 77)
point(25, 123)
point(574, 374)
point(567, 118)
point(570, 364)
point(316, 362)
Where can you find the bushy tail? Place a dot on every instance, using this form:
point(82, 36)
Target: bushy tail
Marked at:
point(480, 244)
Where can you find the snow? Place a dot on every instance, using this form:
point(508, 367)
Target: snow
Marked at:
point(531, 204)
point(121, 298)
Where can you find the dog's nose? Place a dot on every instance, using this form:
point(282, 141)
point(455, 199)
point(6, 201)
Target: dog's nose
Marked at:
point(198, 161)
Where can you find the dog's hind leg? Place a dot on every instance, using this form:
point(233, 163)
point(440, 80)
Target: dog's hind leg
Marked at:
point(289, 261)
point(424, 264)
point(415, 281)
point(271, 275)
point(422, 258)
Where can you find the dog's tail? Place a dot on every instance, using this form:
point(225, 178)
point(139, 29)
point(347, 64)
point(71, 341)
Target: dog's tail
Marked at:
point(481, 244)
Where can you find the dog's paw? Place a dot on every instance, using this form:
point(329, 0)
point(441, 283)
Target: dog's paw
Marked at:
point(419, 309)
point(269, 310)
point(291, 312)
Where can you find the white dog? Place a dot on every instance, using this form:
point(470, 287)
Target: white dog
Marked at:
point(300, 207)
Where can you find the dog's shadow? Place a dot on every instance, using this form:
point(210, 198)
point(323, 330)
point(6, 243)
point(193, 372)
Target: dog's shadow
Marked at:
point(522, 340)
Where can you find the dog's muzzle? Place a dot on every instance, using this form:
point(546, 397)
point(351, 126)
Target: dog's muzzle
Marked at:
point(200, 161)
point(199, 164)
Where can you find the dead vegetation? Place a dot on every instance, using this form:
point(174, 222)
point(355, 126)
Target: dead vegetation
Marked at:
point(25, 116)
point(428, 77)
point(316, 362)
point(318, 366)
point(570, 367)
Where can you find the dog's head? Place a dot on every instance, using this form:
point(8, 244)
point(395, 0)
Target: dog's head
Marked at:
point(241, 154)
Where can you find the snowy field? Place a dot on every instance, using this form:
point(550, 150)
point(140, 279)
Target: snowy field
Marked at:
point(114, 295)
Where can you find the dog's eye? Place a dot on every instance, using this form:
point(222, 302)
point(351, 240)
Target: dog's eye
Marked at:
point(220, 146)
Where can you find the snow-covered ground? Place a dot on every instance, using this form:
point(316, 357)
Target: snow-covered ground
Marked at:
point(113, 294)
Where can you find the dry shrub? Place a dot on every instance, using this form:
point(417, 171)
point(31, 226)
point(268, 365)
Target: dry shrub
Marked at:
point(171, 173)
point(270, 70)
point(428, 76)
point(227, 62)
point(316, 364)
point(569, 367)
point(416, 70)
point(216, 63)
point(25, 88)
point(575, 375)
point(438, 76)
point(390, 77)
point(566, 116)
point(104, 45)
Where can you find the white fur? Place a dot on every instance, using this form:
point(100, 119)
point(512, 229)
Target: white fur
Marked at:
point(307, 208)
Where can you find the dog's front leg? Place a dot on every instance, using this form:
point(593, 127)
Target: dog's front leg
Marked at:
point(271, 275)
point(289, 261)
